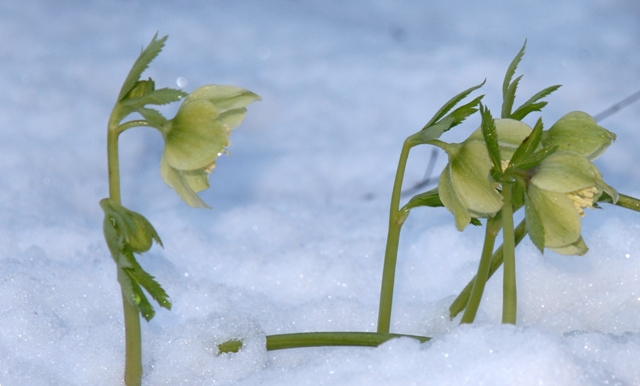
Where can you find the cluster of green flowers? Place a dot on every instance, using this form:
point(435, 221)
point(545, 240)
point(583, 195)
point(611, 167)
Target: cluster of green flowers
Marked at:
point(554, 192)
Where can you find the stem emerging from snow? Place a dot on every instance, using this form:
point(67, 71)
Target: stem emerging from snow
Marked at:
point(393, 239)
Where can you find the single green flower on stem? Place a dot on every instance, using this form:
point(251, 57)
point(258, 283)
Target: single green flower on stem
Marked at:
point(198, 134)
point(465, 186)
point(558, 191)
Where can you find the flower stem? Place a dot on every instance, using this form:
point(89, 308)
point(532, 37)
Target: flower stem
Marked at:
point(319, 339)
point(133, 340)
point(509, 295)
point(462, 300)
point(393, 239)
point(491, 232)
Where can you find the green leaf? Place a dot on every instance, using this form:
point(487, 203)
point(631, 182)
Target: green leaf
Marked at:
point(534, 159)
point(532, 104)
point(534, 224)
point(451, 104)
point(455, 118)
point(136, 231)
point(145, 308)
point(157, 97)
point(430, 198)
point(152, 116)
point(528, 146)
point(149, 283)
point(509, 88)
point(141, 64)
point(491, 138)
point(508, 101)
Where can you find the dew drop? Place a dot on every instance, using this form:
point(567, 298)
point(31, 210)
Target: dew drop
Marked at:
point(182, 82)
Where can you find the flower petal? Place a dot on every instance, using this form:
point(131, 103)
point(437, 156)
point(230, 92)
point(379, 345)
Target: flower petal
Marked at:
point(578, 132)
point(578, 248)
point(510, 132)
point(470, 175)
point(195, 137)
point(451, 200)
point(180, 182)
point(559, 218)
point(223, 97)
point(565, 172)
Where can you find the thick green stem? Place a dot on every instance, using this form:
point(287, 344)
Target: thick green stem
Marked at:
point(133, 343)
point(393, 239)
point(491, 232)
point(319, 339)
point(133, 340)
point(462, 300)
point(509, 294)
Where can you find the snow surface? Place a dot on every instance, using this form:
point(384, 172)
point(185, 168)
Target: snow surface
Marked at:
point(295, 239)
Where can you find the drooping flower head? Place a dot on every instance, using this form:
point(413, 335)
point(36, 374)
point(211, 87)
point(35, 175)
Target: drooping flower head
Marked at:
point(465, 187)
point(198, 134)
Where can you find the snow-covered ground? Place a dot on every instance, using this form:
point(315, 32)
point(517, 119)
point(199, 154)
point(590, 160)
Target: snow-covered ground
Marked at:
point(295, 239)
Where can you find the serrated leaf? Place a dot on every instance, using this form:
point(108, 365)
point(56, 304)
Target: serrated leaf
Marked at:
point(445, 124)
point(451, 103)
point(144, 307)
point(534, 224)
point(157, 97)
point(141, 64)
point(154, 117)
point(509, 98)
point(532, 104)
point(508, 92)
point(430, 198)
point(491, 138)
point(463, 112)
point(149, 283)
point(534, 159)
point(528, 146)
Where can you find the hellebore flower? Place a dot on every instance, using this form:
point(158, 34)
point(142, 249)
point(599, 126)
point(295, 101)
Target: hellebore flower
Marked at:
point(198, 134)
point(558, 191)
point(578, 132)
point(465, 187)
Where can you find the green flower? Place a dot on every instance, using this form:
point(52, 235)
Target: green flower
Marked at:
point(558, 191)
point(198, 134)
point(578, 132)
point(465, 187)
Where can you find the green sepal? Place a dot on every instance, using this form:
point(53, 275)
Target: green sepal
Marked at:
point(491, 139)
point(509, 88)
point(141, 64)
point(534, 224)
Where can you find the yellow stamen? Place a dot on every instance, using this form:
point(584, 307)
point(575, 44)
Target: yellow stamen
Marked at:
point(583, 199)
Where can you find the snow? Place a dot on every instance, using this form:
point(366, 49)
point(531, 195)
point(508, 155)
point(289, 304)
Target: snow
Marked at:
point(295, 239)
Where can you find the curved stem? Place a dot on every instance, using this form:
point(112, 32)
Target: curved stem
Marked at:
point(461, 301)
point(393, 239)
point(509, 294)
point(133, 340)
point(319, 339)
point(493, 227)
